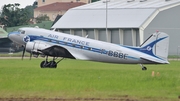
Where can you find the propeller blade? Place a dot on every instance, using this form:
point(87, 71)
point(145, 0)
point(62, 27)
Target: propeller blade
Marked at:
point(23, 52)
point(32, 51)
point(30, 55)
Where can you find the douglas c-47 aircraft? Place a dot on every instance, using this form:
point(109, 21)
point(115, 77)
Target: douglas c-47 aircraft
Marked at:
point(44, 42)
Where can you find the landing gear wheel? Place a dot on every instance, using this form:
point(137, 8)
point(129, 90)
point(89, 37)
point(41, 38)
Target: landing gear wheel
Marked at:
point(53, 64)
point(44, 64)
point(144, 68)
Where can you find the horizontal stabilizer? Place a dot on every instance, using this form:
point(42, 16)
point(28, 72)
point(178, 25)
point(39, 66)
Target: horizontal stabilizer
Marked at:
point(155, 61)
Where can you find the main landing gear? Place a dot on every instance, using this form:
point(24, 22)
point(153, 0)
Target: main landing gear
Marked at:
point(143, 67)
point(49, 64)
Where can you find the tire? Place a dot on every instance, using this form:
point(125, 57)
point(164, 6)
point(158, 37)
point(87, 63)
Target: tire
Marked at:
point(43, 64)
point(144, 68)
point(53, 64)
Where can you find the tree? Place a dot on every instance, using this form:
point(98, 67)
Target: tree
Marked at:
point(12, 16)
point(30, 9)
point(35, 4)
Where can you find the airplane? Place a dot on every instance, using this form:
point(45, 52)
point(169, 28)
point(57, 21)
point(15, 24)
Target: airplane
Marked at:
point(42, 42)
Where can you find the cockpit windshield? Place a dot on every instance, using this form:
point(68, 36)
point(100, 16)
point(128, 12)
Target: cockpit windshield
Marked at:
point(21, 31)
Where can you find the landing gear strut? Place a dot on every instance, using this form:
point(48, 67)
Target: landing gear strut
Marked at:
point(143, 67)
point(50, 64)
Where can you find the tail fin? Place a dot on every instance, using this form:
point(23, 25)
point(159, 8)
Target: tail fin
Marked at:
point(156, 45)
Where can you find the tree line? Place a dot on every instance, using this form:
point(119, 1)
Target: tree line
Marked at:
point(11, 15)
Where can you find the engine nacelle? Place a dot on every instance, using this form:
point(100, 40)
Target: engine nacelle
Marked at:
point(36, 46)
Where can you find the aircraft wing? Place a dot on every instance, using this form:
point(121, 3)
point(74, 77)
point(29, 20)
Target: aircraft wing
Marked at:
point(57, 51)
point(54, 50)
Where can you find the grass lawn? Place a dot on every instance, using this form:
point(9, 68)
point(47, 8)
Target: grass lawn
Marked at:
point(84, 79)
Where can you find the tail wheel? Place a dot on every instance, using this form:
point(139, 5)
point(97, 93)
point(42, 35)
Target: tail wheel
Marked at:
point(144, 68)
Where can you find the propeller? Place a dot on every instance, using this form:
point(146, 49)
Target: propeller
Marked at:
point(30, 55)
point(24, 50)
point(32, 51)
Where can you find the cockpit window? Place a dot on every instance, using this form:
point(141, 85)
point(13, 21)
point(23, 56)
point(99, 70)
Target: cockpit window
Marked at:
point(21, 31)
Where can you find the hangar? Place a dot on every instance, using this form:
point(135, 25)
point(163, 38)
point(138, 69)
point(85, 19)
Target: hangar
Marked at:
point(127, 22)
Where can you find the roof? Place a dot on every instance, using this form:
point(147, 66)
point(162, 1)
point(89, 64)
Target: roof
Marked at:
point(130, 4)
point(58, 6)
point(120, 14)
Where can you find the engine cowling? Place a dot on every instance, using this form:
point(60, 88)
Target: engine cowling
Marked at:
point(36, 46)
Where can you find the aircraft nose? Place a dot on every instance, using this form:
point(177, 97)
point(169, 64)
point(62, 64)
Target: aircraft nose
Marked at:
point(16, 37)
point(11, 35)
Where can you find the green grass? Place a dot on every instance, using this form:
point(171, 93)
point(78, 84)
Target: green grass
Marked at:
point(83, 79)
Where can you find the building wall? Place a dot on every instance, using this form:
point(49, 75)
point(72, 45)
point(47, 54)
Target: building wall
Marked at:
point(90, 33)
point(167, 21)
point(117, 36)
point(46, 2)
point(51, 14)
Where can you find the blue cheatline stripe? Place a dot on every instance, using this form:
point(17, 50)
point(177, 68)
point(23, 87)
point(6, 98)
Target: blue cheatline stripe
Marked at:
point(60, 42)
point(77, 46)
point(87, 48)
point(101, 51)
point(66, 44)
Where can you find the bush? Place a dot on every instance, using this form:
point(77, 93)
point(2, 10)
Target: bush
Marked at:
point(41, 18)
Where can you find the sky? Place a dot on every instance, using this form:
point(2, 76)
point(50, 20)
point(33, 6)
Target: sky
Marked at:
point(23, 3)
